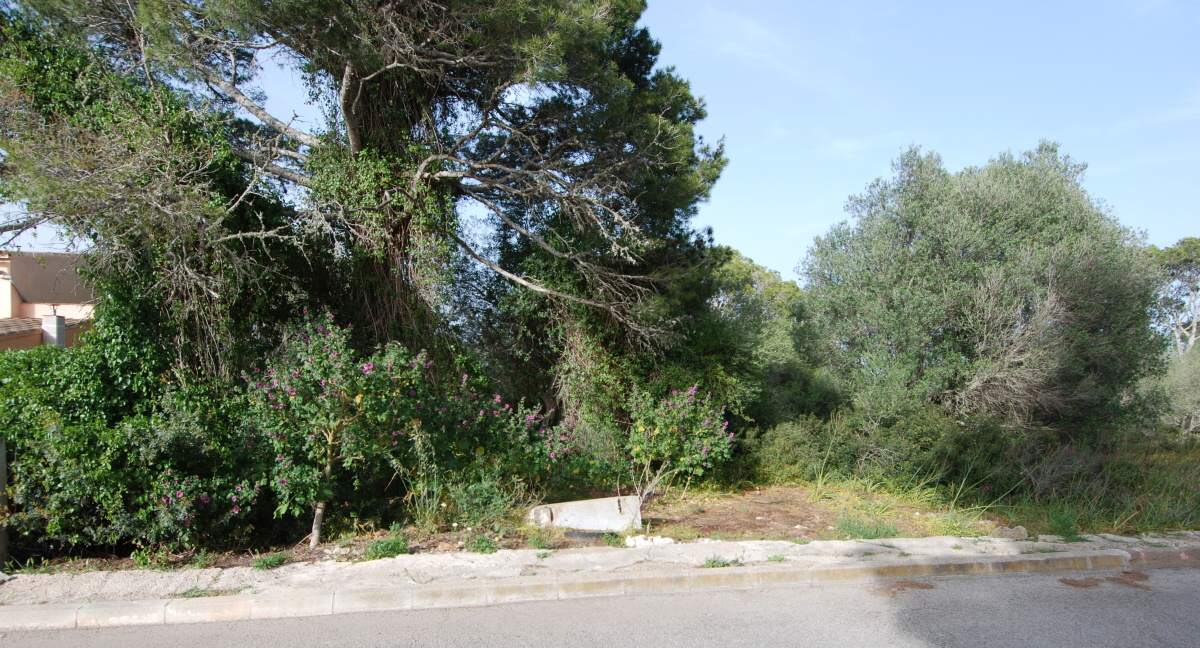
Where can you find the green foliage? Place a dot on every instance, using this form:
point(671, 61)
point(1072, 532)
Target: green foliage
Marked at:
point(386, 548)
point(855, 527)
point(1181, 387)
point(1178, 307)
point(269, 561)
point(613, 540)
point(1063, 523)
point(482, 544)
point(768, 321)
point(717, 562)
point(482, 502)
point(683, 433)
point(1002, 290)
point(105, 453)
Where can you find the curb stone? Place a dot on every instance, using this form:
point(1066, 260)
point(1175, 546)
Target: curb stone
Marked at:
point(301, 603)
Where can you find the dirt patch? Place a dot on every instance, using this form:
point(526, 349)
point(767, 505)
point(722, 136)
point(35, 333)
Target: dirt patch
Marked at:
point(1134, 579)
point(892, 589)
point(775, 513)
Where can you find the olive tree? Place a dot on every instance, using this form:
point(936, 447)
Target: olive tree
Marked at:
point(1003, 289)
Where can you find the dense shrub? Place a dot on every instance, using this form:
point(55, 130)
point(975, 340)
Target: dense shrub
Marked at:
point(341, 422)
point(1181, 389)
point(683, 434)
point(164, 473)
point(1003, 290)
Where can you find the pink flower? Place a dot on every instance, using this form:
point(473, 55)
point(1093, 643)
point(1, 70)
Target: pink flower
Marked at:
point(496, 398)
point(368, 368)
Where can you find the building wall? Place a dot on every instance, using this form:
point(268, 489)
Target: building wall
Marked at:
point(71, 311)
point(23, 341)
point(9, 298)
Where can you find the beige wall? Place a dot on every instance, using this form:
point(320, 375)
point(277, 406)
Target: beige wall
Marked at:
point(70, 311)
point(9, 299)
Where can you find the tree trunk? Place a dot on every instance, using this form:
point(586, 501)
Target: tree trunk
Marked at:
point(314, 538)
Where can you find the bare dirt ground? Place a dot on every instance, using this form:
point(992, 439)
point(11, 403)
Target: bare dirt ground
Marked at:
point(776, 513)
point(793, 513)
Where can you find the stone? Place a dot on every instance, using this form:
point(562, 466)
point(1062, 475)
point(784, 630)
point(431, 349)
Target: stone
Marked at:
point(1006, 533)
point(647, 541)
point(607, 514)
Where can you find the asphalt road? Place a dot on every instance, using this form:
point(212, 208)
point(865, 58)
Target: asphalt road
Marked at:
point(1158, 608)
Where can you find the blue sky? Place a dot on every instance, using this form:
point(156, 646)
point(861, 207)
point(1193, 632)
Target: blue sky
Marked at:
point(815, 99)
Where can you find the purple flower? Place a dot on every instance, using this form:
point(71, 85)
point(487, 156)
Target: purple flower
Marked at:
point(368, 368)
point(497, 399)
point(236, 510)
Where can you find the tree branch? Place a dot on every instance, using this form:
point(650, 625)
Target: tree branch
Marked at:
point(258, 111)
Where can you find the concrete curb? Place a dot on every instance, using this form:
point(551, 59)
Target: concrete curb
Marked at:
point(300, 603)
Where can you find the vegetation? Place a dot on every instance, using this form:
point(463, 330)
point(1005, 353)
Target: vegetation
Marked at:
point(269, 561)
point(386, 548)
point(476, 285)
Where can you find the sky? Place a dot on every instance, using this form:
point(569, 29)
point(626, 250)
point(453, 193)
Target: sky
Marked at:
point(815, 99)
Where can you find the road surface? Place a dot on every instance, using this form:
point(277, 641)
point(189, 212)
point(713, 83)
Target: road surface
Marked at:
point(1158, 608)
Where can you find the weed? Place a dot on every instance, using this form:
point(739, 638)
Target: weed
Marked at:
point(1064, 522)
point(151, 558)
point(482, 544)
point(543, 538)
point(777, 558)
point(542, 555)
point(203, 559)
point(717, 562)
point(386, 548)
point(801, 541)
point(205, 592)
point(269, 561)
point(613, 540)
point(855, 527)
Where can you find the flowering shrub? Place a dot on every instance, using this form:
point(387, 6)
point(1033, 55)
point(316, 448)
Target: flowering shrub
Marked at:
point(331, 417)
point(681, 434)
point(339, 422)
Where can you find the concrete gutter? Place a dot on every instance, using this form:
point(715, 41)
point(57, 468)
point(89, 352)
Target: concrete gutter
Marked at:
point(302, 602)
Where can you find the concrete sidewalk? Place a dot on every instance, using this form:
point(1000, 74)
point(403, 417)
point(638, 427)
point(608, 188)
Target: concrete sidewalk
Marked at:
point(42, 601)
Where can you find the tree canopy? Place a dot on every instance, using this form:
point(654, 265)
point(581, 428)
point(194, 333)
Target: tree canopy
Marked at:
point(1003, 289)
point(548, 122)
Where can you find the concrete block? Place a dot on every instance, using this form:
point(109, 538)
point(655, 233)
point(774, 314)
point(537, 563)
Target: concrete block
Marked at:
point(372, 600)
point(659, 584)
point(517, 592)
point(121, 613)
point(441, 596)
point(726, 578)
point(581, 587)
point(784, 576)
point(292, 604)
point(38, 617)
point(203, 610)
point(612, 514)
